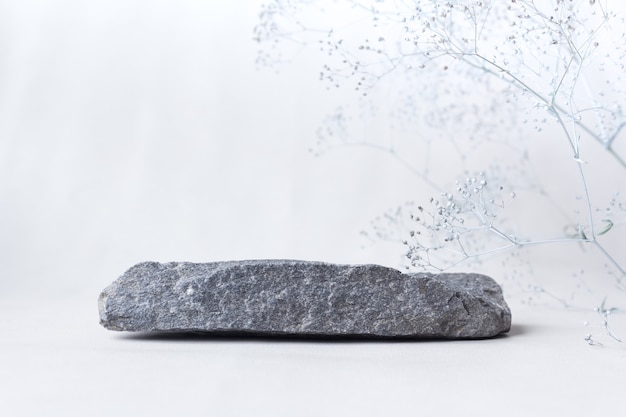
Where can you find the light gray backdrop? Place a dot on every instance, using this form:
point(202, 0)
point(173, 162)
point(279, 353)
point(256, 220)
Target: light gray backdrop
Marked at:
point(142, 130)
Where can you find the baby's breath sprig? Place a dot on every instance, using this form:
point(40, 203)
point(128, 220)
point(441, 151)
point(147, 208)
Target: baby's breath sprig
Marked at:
point(455, 75)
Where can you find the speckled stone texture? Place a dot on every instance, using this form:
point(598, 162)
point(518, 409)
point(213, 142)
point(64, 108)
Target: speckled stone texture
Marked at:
point(285, 297)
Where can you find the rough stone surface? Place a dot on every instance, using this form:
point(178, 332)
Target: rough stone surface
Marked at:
point(284, 297)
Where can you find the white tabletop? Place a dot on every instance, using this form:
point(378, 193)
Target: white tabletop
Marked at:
point(57, 360)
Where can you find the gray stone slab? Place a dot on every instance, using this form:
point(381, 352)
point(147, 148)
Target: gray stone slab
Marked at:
point(286, 297)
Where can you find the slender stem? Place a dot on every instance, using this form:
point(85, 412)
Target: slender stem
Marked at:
point(515, 81)
point(436, 187)
point(583, 181)
point(608, 256)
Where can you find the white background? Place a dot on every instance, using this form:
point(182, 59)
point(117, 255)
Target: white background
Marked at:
point(142, 130)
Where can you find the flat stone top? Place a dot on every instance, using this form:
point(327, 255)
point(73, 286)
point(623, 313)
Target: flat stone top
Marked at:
point(272, 297)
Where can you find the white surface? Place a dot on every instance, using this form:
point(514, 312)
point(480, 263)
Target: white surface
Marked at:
point(56, 360)
point(140, 130)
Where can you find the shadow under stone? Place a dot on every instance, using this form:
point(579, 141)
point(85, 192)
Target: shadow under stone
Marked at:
point(516, 330)
point(239, 336)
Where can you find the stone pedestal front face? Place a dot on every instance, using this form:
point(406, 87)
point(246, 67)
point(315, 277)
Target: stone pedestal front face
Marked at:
point(286, 297)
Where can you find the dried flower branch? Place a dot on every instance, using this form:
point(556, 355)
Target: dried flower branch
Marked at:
point(465, 71)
